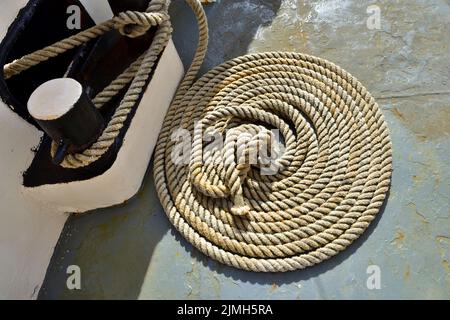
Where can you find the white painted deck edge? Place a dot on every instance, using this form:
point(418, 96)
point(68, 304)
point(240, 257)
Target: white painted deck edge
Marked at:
point(29, 230)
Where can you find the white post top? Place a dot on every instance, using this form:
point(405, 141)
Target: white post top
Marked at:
point(54, 98)
point(99, 10)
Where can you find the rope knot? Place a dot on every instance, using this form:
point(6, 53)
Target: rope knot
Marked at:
point(248, 146)
point(245, 145)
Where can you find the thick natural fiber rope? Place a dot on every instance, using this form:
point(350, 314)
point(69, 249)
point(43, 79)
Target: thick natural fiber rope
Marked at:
point(333, 176)
point(334, 173)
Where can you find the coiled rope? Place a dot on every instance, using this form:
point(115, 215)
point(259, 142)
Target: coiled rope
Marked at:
point(330, 180)
point(333, 175)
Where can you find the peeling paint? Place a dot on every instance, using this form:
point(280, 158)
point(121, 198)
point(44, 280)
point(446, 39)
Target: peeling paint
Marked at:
point(421, 217)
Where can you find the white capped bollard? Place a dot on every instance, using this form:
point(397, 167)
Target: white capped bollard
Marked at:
point(124, 178)
point(64, 111)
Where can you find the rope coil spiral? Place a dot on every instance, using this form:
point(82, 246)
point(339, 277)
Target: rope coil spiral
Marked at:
point(331, 177)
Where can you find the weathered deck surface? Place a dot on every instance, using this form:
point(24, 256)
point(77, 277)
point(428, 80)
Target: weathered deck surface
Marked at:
point(132, 252)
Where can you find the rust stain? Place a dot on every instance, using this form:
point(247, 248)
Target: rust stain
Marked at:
point(416, 179)
point(407, 274)
point(428, 168)
point(446, 267)
point(399, 238)
point(273, 287)
point(424, 122)
point(443, 242)
point(398, 114)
